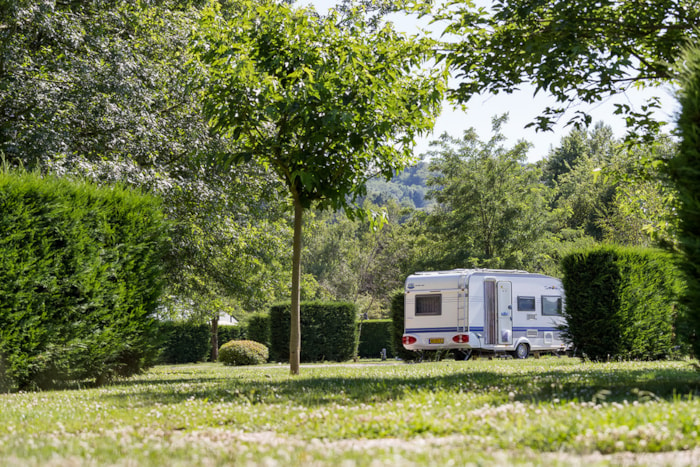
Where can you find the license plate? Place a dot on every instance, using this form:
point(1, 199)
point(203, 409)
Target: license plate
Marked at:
point(436, 340)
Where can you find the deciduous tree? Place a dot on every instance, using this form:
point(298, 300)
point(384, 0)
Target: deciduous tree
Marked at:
point(325, 102)
point(490, 202)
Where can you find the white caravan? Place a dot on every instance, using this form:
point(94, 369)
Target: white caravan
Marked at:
point(485, 309)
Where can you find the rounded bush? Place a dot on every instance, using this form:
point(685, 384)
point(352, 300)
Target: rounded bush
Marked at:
point(243, 353)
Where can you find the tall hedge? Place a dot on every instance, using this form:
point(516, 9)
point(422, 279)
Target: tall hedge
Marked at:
point(185, 342)
point(398, 319)
point(230, 333)
point(257, 328)
point(328, 331)
point(80, 277)
point(621, 302)
point(375, 335)
point(685, 174)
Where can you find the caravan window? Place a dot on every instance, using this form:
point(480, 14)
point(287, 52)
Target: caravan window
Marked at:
point(551, 306)
point(428, 305)
point(526, 303)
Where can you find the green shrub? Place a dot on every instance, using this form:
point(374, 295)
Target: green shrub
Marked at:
point(375, 335)
point(243, 353)
point(81, 271)
point(621, 302)
point(397, 320)
point(685, 174)
point(185, 342)
point(257, 328)
point(328, 331)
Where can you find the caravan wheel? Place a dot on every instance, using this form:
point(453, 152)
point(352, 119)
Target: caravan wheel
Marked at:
point(521, 351)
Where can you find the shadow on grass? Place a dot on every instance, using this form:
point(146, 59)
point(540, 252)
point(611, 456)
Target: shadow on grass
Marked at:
point(568, 383)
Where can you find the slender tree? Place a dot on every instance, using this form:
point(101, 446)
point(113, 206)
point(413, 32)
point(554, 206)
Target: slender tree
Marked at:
point(325, 102)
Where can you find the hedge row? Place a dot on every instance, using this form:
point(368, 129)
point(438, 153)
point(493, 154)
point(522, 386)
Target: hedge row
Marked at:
point(328, 331)
point(258, 328)
point(621, 302)
point(191, 343)
point(81, 271)
point(375, 335)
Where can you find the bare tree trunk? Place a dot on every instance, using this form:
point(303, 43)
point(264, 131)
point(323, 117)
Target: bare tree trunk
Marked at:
point(215, 338)
point(295, 326)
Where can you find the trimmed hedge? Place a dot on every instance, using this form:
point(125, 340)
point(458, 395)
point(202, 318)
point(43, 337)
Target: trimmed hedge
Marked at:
point(184, 342)
point(328, 331)
point(621, 302)
point(685, 174)
point(375, 335)
point(243, 353)
point(397, 319)
point(257, 328)
point(81, 271)
point(230, 333)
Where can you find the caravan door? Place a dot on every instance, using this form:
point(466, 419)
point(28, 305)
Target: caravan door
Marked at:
point(504, 305)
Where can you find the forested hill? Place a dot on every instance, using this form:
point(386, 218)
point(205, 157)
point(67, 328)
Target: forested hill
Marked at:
point(407, 189)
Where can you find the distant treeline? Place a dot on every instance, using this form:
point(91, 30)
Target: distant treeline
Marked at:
point(407, 189)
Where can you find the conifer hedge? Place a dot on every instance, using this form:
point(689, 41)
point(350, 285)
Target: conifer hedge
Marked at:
point(328, 331)
point(80, 277)
point(185, 342)
point(375, 335)
point(257, 328)
point(685, 174)
point(621, 302)
point(398, 319)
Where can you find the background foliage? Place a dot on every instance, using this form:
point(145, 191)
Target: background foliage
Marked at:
point(184, 342)
point(375, 336)
point(243, 352)
point(574, 50)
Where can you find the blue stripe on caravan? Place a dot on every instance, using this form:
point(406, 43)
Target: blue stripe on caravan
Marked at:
point(416, 330)
point(519, 329)
point(451, 329)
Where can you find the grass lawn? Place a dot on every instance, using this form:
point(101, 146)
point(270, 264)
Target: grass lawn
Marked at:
point(548, 411)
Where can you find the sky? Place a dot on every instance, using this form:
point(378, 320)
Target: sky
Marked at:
point(522, 108)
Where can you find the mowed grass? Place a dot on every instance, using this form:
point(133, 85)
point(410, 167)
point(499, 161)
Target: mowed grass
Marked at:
point(548, 411)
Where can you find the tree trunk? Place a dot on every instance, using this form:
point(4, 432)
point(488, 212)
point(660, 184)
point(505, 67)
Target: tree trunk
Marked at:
point(215, 338)
point(295, 326)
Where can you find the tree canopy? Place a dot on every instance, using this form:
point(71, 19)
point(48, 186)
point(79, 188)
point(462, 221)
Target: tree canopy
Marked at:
point(575, 50)
point(489, 204)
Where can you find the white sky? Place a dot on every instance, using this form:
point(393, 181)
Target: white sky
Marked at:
point(522, 107)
